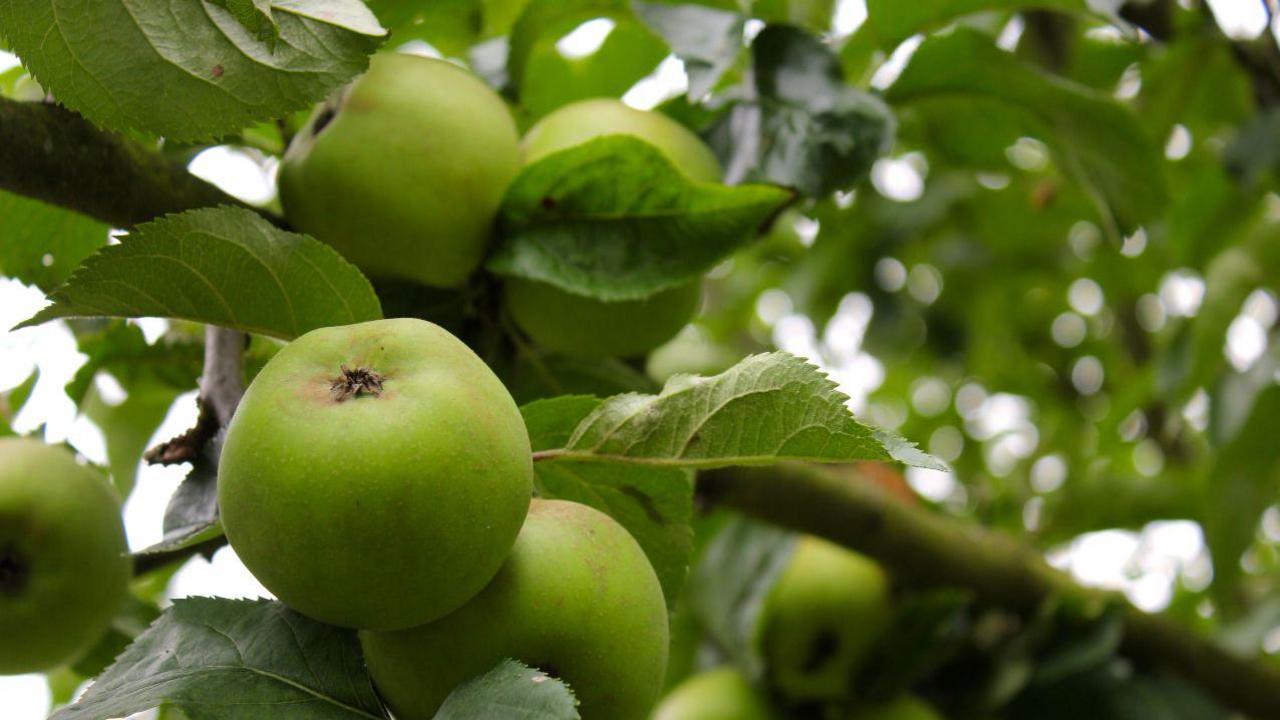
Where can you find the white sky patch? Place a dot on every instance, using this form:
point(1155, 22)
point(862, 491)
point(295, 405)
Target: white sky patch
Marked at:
point(666, 81)
point(1240, 19)
point(901, 178)
point(849, 16)
point(26, 697)
point(8, 60)
point(236, 173)
point(586, 39)
point(892, 68)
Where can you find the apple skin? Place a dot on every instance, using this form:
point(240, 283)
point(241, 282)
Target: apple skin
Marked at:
point(585, 327)
point(383, 511)
point(64, 563)
point(821, 618)
point(585, 120)
point(403, 172)
point(577, 598)
point(720, 694)
point(905, 707)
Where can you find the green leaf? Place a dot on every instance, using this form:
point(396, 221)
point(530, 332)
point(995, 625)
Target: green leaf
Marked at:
point(522, 694)
point(41, 244)
point(222, 266)
point(235, 660)
point(893, 21)
point(450, 26)
point(552, 18)
point(654, 504)
point(707, 40)
point(1094, 137)
point(216, 70)
point(767, 408)
point(191, 516)
point(805, 128)
point(614, 220)
point(128, 427)
point(130, 621)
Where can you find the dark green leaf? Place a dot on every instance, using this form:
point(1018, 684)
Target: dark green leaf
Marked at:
point(614, 220)
point(893, 21)
point(222, 266)
point(235, 660)
point(451, 26)
point(806, 129)
point(218, 71)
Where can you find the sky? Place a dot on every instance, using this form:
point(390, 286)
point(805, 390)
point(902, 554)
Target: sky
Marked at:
point(1145, 565)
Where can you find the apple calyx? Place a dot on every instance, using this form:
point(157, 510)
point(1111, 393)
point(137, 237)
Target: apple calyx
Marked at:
point(13, 571)
point(354, 382)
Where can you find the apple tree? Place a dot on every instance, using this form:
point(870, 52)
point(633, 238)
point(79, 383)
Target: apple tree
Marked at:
point(623, 359)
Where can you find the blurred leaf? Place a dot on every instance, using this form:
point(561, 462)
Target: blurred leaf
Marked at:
point(731, 581)
point(654, 504)
point(128, 426)
point(522, 693)
point(552, 19)
point(450, 26)
point(217, 78)
point(41, 244)
point(613, 219)
point(707, 40)
point(1094, 138)
point(926, 630)
point(815, 15)
point(1241, 485)
point(629, 53)
point(1255, 151)
point(235, 660)
point(122, 350)
point(805, 128)
point(892, 21)
point(223, 266)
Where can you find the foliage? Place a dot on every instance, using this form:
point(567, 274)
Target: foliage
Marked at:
point(1036, 237)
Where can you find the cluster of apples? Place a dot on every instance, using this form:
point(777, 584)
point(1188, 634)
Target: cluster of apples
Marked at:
point(816, 626)
point(378, 476)
point(404, 171)
point(64, 567)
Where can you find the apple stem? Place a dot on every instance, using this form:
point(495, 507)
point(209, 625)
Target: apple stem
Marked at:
point(355, 382)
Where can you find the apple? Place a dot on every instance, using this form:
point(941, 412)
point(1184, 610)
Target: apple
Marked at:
point(585, 120)
point(64, 563)
point(820, 619)
point(375, 475)
point(576, 598)
point(576, 325)
point(720, 694)
point(905, 707)
point(583, 327)
point(404, 170)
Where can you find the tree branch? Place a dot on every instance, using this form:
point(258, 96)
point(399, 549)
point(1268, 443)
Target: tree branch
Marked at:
point(924, 550)
point(54, 155)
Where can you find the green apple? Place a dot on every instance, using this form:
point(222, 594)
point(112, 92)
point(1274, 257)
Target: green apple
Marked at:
point(576, 598)
point(375, 475)
point(720, 694)
point(905, 707)
point(403, 172)
point(585, 327)
point(820, 618)
point(585, 120)
point(64, 563)
point(582, 327)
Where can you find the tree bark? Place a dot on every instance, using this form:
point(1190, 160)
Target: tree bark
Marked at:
point(52, 154)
